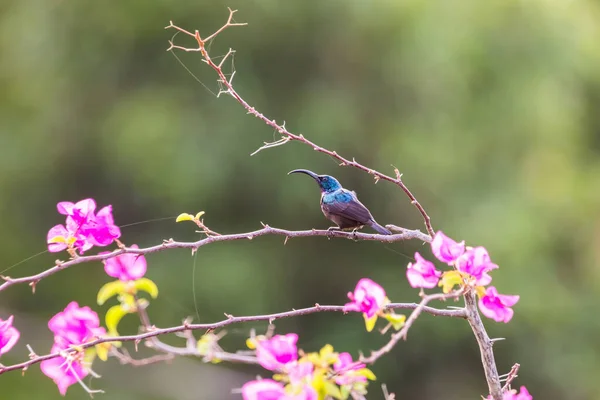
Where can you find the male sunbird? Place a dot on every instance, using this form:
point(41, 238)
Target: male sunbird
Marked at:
point(341, 205)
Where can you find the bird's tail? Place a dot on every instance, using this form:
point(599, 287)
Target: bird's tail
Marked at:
point(379, 228)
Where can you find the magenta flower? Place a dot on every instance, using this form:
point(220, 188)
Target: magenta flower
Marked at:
point(126, 267)
point(274, 353)
point(64, 371)
point(71, 231)
point(264, 389)
point(9, 335)
point(445, 249)
point(81, 212)
point(513, 395)
point(101, 229)
point(368, 298)
point(346, 367)
point(497, 306)
point(83, 229)
point(75, 325)
point(422, 274)
point(476, 262)
point(268, 389)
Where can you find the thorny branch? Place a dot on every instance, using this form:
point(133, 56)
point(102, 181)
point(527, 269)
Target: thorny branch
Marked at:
point(152, 332)
point(406, 234)
point(485, 344)
point(280, 128)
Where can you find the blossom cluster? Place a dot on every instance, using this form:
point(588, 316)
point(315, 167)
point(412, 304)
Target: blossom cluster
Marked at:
point(83, 228)
point(9, 335)
point(72, 327)
point(311, 376)
point(471, 267)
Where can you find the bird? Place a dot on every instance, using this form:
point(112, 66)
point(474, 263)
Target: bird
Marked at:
point(341, 206)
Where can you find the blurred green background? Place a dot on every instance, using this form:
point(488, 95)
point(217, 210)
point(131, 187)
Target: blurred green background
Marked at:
point(489, 109)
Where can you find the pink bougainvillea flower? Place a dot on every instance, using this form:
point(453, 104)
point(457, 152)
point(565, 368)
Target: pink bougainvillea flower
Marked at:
point(513, 395)
point(75, 325)
point(68, 233)
point(9, 335)
point(81, 212)
point(83, 229)
point(268, 389)
point(347, 370)
point(264, 389)
point(497, 306)
point(64, 372)
point(476, 262)
point(445, 249)
point(274, 353)
point(422, 274)
point(368, 298)
point(101, 230)
point(126, 267)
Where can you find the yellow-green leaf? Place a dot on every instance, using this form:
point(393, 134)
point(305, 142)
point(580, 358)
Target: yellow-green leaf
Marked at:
point(449, 280)
point(332, 390)
point(480, 290)
point(370, 322)
point(113, 317)
point(109, 290)
point(251, 343)
point(367, 373)
point(147, 286)
point(102, 350)
point(397, 320)
point(200, 214)
point(184, 217)
point(58, 239)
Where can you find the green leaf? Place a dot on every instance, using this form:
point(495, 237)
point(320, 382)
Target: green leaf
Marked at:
point(370, 322)
point(367, 373)
point(146, 285)
point(113, 317)
point(184, 217)
point(332, 390)
point(109, 290)
point(397, 320)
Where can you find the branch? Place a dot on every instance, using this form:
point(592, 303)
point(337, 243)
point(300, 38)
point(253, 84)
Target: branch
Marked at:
point(287, 135)
point(171, 244)
point(402, 333)
point(153, 332)
point(485, 346)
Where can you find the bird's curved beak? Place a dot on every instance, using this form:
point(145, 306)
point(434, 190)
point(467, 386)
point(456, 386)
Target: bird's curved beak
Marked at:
point(307, 172)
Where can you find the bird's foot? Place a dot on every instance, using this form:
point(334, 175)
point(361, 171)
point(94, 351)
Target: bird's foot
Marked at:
point(354, 235)
point(332, 229)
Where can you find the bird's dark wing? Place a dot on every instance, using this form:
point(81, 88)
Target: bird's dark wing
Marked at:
point(346, 204)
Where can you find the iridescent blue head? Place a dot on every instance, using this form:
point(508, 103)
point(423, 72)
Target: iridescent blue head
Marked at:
point(327, 183)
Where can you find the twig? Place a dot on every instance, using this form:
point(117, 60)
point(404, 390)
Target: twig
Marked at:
point(512, 374)
point(287, 135)
point(459, 313)
point(402, 333)
point(171, 244)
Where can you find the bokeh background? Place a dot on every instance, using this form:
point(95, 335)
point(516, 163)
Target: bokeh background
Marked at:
point(490, 110)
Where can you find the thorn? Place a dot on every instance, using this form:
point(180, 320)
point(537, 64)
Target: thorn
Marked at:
point(286, 240)
point(250, 237)
point(229, 316)
point(32, 284)
point(58, 263)
point(317, 305)
point(135, 344)
point(271, 320)
point(496, 340)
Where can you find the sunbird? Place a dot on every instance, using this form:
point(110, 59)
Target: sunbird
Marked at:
point(341, 205)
